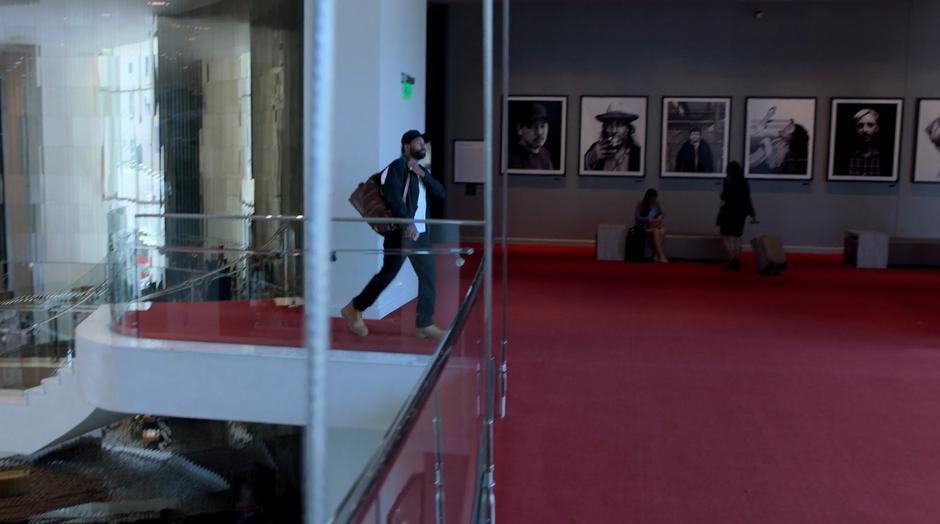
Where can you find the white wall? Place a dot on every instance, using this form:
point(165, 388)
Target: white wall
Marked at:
point(402, 45)
point(377, 40)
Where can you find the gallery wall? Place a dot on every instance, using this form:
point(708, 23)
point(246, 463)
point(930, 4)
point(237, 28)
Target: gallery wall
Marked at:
point(796, 49)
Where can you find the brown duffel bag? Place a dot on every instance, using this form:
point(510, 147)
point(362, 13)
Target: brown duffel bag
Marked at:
point(369, 200)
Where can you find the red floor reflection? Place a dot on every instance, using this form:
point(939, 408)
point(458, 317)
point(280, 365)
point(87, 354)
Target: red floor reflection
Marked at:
point(262, 322)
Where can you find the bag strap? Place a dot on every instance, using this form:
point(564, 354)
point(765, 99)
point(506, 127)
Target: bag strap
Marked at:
point(382, 178)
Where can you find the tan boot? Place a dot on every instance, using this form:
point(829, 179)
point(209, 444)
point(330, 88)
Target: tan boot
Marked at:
point(353, 318)
point(431, 331)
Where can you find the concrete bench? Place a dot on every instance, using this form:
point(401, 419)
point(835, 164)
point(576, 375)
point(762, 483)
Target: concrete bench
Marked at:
point(865, 249)
point(701, 247)
point(913, 251)
point(610, 242)
point(611, 245)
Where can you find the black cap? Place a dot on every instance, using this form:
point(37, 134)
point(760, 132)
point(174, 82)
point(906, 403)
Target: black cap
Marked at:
point(534, 113)
point(412, 134)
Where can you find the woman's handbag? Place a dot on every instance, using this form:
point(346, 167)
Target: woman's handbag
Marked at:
point(636, 244)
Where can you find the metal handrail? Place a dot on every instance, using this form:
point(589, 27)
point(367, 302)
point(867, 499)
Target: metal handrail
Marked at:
point(429, 221)
point(187, 284)
point(216, 272)
point(223, 216)
point(39, 309)
point(216, 250)
point(15, 302)
point(408, 251)
point(368, 481)
point(98, 291)
point(67, 293)
point(300, 218)
point(59, 303)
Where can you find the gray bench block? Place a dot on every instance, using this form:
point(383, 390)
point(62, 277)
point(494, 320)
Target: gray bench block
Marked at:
point(611, 241)
point(611, 245)
point(695, 247)
point(865, 249)
point(914, 252)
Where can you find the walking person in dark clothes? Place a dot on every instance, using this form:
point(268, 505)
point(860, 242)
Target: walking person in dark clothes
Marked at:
point(736, 206)
point(406, 187)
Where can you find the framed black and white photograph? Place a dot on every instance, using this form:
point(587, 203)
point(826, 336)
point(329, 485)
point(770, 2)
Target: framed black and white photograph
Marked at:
point(779, 138)
point(927, 143)
point(865, 139)
point(535, 144)
point(613, 136)
point(695, 137)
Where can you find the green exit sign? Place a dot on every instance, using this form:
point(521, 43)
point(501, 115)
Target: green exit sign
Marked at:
point(407, 85)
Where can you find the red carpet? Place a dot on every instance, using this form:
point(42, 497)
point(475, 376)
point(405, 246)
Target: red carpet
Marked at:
point(682, 394)
point(264, 323)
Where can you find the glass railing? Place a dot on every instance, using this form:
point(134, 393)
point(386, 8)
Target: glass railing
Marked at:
point(431, 466)
point(44, 304)
point(203, 277)
point(446, 249)
point(249, 289)
point(432, 462)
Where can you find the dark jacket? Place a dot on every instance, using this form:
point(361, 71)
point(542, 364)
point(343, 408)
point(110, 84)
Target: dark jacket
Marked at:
point(522, 158)
point(685, 160)
point(394, 187)
point(736, 201)
point(593, 162)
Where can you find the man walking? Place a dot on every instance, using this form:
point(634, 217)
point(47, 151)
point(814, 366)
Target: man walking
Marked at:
point(406, 187)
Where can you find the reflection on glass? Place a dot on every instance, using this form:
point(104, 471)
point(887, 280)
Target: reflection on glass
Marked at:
point(187, 106)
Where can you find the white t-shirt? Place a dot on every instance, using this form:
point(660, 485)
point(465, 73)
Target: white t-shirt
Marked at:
point(422, 211)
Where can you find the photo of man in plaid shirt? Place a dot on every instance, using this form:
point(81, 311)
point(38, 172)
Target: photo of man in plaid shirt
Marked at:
point(866, 159)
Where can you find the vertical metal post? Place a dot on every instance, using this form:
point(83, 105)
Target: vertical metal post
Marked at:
point(285, 269)
point(504, 215)
point(438, 462)
point(488, 138)
point(319, 21)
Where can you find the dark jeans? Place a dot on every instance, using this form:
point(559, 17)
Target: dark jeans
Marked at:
point(391, 265)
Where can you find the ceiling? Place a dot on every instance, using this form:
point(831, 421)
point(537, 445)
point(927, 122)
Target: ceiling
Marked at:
point(743, 2)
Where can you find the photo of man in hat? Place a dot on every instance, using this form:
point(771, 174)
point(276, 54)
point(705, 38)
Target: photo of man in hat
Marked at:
point(536, 135)
point(617, 149)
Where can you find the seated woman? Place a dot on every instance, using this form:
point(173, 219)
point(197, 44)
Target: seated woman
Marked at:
point(649, 216)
